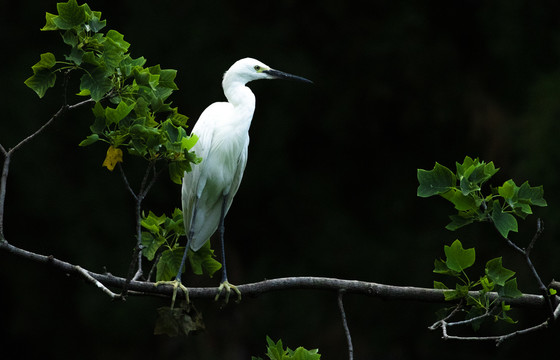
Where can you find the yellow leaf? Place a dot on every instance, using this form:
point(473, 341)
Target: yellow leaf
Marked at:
point(114, 156)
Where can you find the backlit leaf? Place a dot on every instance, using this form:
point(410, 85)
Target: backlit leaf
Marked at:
point(458, 258)
point(114, 156)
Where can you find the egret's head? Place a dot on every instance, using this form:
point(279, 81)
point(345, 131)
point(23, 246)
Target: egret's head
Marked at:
point(249, 69)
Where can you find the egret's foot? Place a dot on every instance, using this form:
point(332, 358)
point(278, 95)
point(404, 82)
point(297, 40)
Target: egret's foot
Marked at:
point(226, 287)
point(176, 284)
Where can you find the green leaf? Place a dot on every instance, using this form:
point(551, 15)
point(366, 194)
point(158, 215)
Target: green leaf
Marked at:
point(436, 181)
point(47, 62)
point(41, 81)
point(97, 83)
point(75, 56)
point(504, 316)
point(473, 173)
point(461, 202)
point(275, 351)
point(440, 286)
point(152, 222)
point(177, 170)
point(151, 245)
point(487, 284)
point(188, 142)
point(475, 170)
point(114, 116)
point(43, 77)
point(303, 354)
point(89, 140)
point(440, 267)
point(174, 133)
point(504, 222)
point(458, 221)
point(89, 57)
point(508, 190)
point(114, 48)
point(203, 261)
point(50, 25)
point(510, 290)
point(95, 23)
point(128, 64)
point(167, 77)
point(497, 273)
point(145, 78)
point(458, 258)
point(168, 264)
point(460, 292)
point(69, 15)
point(531, 195)
point(70, 38)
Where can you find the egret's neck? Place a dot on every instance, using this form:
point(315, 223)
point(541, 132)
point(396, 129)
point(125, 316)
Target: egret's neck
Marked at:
point(241, 97)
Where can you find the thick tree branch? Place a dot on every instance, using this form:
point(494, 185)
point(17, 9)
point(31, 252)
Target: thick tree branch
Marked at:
point(389, 292)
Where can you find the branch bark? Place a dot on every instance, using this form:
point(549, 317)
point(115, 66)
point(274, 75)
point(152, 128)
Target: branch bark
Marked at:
point(388, 292)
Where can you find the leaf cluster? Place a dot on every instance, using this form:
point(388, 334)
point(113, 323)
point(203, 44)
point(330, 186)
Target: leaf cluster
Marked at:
point(496, 278)
point(139, 116)
point(161, 240)
point(276, 351)
point(463, 188)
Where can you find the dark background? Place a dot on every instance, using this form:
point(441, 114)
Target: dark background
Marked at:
point(330, 187)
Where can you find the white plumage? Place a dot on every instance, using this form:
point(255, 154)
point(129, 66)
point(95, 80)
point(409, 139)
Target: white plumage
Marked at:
point(223, 140)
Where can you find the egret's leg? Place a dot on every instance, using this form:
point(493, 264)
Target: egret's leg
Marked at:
point(177, 282)
point(225, 285)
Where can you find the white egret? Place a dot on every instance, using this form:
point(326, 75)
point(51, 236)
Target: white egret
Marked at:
point(223, 140)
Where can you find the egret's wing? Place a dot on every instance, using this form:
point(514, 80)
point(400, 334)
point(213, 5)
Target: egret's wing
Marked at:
point(204, 130)
point(241, 163)
point(207, 210)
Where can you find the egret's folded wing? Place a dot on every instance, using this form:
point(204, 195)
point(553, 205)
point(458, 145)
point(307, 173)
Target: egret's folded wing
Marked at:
point(194, 181)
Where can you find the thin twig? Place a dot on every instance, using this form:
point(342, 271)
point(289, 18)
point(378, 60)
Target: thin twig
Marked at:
point(345, 325)
point(126, 183)
point(499, 339)
point(8, 153)
point(526, 254)
point(103, 288)
point(145, 186)
point(153, 268)
point(445, 324)
point(542, 286)
point(3, 182)
point(538, 234)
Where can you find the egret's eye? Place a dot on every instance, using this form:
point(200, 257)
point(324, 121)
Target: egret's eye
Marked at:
point(257, 67)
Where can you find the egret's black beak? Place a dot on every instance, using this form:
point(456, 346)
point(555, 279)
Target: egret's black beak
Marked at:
point(282, 75)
